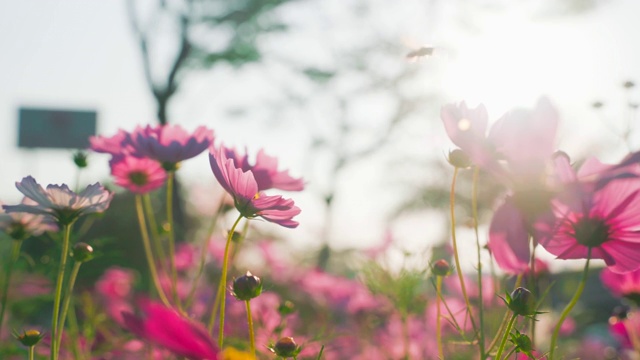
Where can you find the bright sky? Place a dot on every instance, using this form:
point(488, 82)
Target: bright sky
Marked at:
point(81, 54)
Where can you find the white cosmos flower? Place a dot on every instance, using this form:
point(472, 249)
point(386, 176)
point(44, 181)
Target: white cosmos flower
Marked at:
point(60, 202)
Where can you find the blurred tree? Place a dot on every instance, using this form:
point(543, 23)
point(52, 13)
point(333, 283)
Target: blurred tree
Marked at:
point(175, 36)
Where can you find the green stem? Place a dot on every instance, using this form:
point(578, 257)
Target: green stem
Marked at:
point(533, 287)
point(153, 225)
point(172, 240)
point(15, 252)
point(504, 321)
point(203, 255)
point(31, 352)
point(474, 210)
point(58, 292)
point(506, 336)
point(67, 299)
point(223, 281)
point(405, 334)
point(73, 333)
point(456, 257)
point(510, 352)
point(438, 314)
point(252, 338)
point(148, 253)
point(569, 307)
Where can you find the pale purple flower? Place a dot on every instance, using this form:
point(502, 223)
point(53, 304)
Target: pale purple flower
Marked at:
point(167, 328)
point(60, 202)
point(265, 171)
point(509, 239)
point(169, 144)
point(248, 199)
point(19, 225)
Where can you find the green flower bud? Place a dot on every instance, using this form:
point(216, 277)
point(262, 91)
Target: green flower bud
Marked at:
point(29, 338)
point(521, 302)
point(522, 343)
point(286, 347)
point(286, 308)
point(80, 159)
point(82, 252)
point(236, 237)
point(459, 159)
point(441, 268)
point(247, 287)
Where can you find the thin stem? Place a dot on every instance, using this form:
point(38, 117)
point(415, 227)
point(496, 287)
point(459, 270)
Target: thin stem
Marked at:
point(569, 307)
point(474, 210)
point(58, 292)
point(67, 299)
point(504, 321)
point(510, 352)
point(252, 338)
point(456, 257)
point(148, 253)
point(203, 254)
point(73, 333)
point(438, 315)
point(223, 281)
point(15, 252)
point(32, 352)
point(153, 225)
point(172, 240)
point(533, 286)
point(506, 336)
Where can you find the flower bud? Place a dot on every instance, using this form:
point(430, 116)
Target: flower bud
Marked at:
point(522, 342)
point(459, 159)
point(441, 268)
point(286, 347)
point(29, 338)
point(628, 84)
point(286, 308)
point(247, 287)
point(521, 302)
point(82, 252)
point(236, 237)
point(80, 159)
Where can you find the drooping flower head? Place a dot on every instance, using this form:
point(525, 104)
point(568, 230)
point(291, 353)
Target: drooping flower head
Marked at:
point(169, 144)
point(265, 171)
point(20, 226)
point(138, 175)
point(601, 220)
point(59, 201)
point(248, 199)
point(167, 328)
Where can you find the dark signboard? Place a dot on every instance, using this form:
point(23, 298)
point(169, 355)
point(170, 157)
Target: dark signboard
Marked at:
point(47, 128)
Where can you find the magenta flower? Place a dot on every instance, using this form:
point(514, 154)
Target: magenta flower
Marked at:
point(603, 221)
point(20, 225)
point(509, 239)
point(169, 144)
point(622, 285)
point(60, 202)
point(167, 328)
point(138, 175)
point(243, 187)
point(115, 145)
point(265, 171)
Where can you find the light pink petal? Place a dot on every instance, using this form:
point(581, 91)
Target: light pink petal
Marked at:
point(509, 239)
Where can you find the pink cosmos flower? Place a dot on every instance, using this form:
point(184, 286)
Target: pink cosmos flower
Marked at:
point(622, 285)
point(20, 225)
point(60, 202)
point(167, 328)
point(115, 145)
point(249, 201)
point(603, 221)
point(169, 144)
point(138, 175)
point(265, 171)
